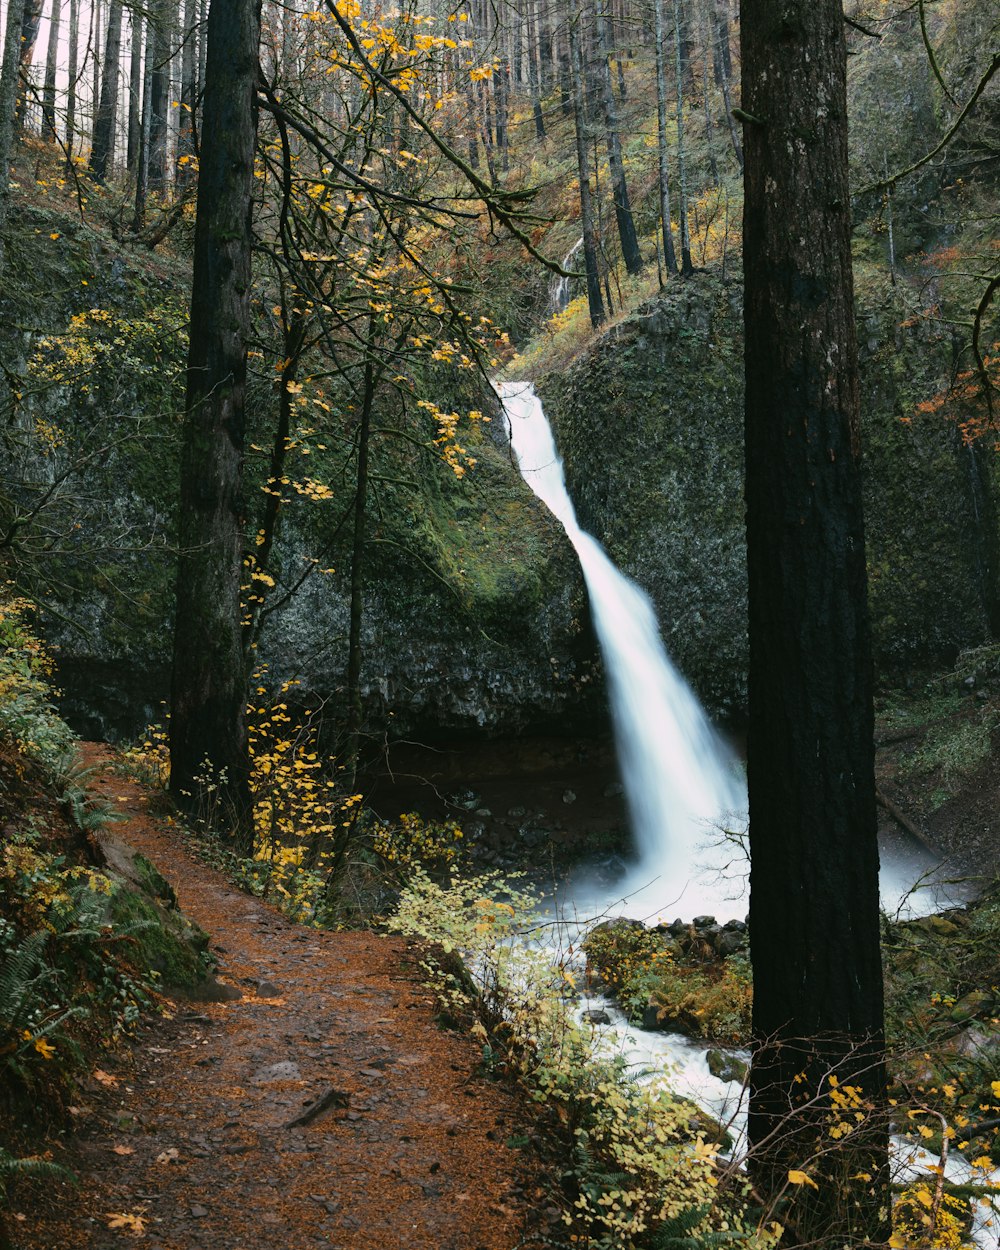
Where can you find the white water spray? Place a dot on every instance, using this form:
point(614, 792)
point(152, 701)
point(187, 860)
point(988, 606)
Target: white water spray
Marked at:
point(681, 784)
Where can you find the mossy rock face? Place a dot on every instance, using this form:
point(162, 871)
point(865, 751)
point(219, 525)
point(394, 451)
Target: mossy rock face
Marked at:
point(144, 905)
point(475, 615)
point(166, 942)
point(650, 425)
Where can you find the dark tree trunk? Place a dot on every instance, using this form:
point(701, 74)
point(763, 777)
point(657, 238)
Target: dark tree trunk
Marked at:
point(814, 918)
point(669, 256)
point(31, 19)
point(51, 62)
point(142, 163)
point(189, 89)
point(134, 95)
point(533, 72)
point(616, 165)
point(590, 255)
point(105, 121)
point(209, 686)
point(158, 74)
point(687, 268)
point(8, 101)
point(71, 70)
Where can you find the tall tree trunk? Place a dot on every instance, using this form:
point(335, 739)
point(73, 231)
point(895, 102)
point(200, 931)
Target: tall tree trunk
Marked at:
point(51, 63)
point(209, 685)
point(134, 94)
point(724, 63)
point(71, 72)
point(106, 119)
point(533, 72)
point(619, 186)
point(31, 19)
point(686, 266)
point(142, 164)
point(590, 253)
point(159, 90)
point(189, 93)
point(8, 104)
point(814, 904)
point(669, 256)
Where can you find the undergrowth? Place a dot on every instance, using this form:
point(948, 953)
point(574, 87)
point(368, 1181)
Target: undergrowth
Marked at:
point(318, 854)
point(69, 983)
point(639, 1170)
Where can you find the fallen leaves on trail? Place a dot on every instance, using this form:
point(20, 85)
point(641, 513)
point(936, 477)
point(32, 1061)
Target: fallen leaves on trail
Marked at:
point(134, 1224)
point(105, 1078)
point(123, 1150)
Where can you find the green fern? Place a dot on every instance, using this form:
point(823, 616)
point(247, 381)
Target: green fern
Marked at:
point(13, 1168)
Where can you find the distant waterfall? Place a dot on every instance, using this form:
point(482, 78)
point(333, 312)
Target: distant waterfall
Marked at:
point(681, 784)
point(559, 291)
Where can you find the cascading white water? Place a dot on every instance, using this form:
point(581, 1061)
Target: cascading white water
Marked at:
point(559, 294)
point(681, 784)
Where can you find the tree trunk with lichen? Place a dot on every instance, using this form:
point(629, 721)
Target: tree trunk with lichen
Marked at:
point(814, 906)
point(209, 684)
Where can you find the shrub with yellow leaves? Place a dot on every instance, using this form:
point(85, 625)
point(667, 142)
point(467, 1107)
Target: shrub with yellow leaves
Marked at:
point(637, 1173)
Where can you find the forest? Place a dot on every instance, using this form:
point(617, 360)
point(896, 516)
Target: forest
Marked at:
point(500, 624)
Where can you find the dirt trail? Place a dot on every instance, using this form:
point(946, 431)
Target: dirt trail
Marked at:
point(190, 1132)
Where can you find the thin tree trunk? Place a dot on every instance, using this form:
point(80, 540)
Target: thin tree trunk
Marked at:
point(106, 119)
point(8, 104)
point(72, 71)
point(590, 253)
point(619, 186)
point(142, 170)
point(51, 63)
point(669, 256)
point(209, 685)
point(687, 268)
point(134, 94)
point(30, 21)
point(533, 72)
point(814, 902)
point(159, 89)
point(189, 88)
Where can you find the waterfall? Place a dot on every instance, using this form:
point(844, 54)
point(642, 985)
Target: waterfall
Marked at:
point(681, 784)
point(686, 795)
point(559, 292)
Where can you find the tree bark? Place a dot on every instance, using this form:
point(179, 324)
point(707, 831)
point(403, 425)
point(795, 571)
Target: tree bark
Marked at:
point(71, 70)
point(158, 73)
point(814, 907)
point(616, 165)
point(51, 62)
point(590, 257)
point(134, 94)
point(669, 256)
point(106, 118)
point(8, 104)
point(533, 72)
point(209, 685)
point(189, 90)
point(31, 19)
point(680, 60)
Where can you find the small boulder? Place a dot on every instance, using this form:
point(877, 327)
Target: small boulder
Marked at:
point(726, 1067)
